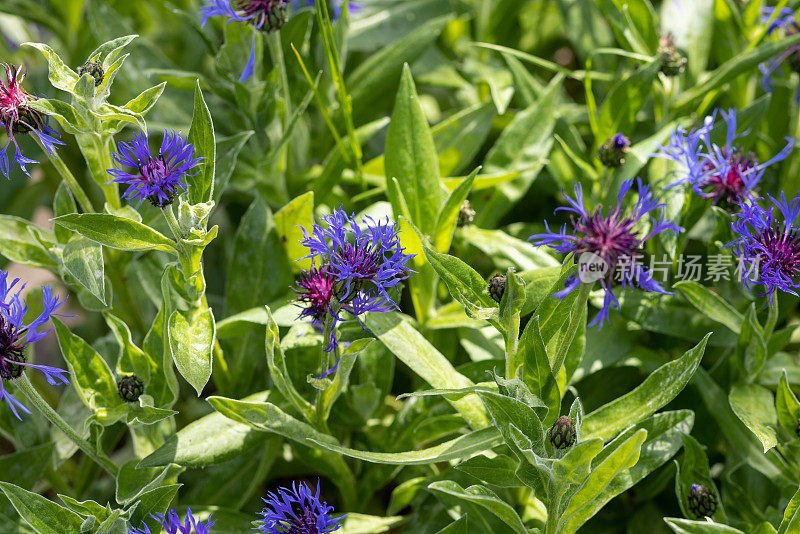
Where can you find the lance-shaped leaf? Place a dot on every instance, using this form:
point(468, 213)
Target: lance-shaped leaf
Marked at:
point(754, 405)
point(201, 135)
point(657, 390)
point(115, 232)
point(483, 496)
point(191, 338)
point(45, 516)
point(83, 259)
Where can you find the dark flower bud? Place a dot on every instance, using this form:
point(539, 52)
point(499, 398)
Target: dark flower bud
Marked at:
point(8, 369)
point(563, 434)
point(612, 153)
point(95, 69)
point(275, 13)
point(465, 215)
point(702, 502)
point(674, 61)
point(497, 286)
point(130, 388)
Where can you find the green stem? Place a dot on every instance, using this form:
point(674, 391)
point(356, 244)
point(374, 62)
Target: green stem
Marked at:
point(99, 457)
point(174, 227)
point(69, 178)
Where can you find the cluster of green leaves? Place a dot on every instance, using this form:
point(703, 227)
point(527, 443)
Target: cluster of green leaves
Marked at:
point(437, 418)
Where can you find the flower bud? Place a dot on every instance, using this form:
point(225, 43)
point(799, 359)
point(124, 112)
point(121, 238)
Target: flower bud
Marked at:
point(563, 434)
point(95, 69)
point(612, 152)
point(465, 215)
point(674, 61)
point(702, 502)
point(130, 388)
point(497, 286)
point(8, 369)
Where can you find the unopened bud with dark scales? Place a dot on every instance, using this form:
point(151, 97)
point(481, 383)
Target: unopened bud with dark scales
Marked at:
point(497, 286)
point(465, 215)
point(702, 502)
point(612, 153)
point(130, 388)
point(674, 61)
point(95, 69)
point(563, 434)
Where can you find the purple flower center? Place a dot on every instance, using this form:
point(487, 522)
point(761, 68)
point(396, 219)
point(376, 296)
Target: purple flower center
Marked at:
point(728, 185)
point(303, 522)
point(11, 350)
point(264, 14)
point(611, 238)
point(781, 250)
point(315, 290)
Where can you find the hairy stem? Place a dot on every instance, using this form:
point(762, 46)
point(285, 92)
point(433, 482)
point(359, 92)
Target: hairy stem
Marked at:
point(99, 457)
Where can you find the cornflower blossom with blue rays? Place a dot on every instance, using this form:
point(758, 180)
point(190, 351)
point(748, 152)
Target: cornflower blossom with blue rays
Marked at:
point(172, 524)
point(15, 336)
point(159, 178)
point(723, 174)
point(264, 15)
point(768, 249)
point(354, 269)
point(786, 21)
point(297, 510)
point(18, 118)
point(613, 238)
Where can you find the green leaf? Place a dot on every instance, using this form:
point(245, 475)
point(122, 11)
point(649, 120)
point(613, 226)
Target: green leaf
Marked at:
point(460, 526)
point(625, 100)
point(290, 221)
point(751, 348)
point(685, 526)
point(499, 470)
point(83, 259)
point(45, 516)
point(115, 232)
point(93, 378)
point(460, 447)
point(60, 75)
point(379, 73)
point(448, 215)
point(411, 158)
point(201, 135)
point(209, 440)
point(787, 406)
point(191, 337)
point(279, 373)
point(755, 407)
point(536, 371)
point(154, 501)
point(482, 496)
point(505, 249)
point(267, 417)
point(657, 390)
point(711, 304)
point(583, 503)
point(22, 242)
point(369, 524)
point(738, 64)
point(417, 352)
point(791, 516)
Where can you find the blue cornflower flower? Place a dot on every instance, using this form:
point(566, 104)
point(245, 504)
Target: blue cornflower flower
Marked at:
point(173, 525)
point(297, 510)
point(786, 21)
point(19, 118)
point(725, 175)
point(264, 15)
point(338, 5)
point(356, 269)
point(610, 243)
point(14, 336)
point(768, 250)
point(156, 178)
